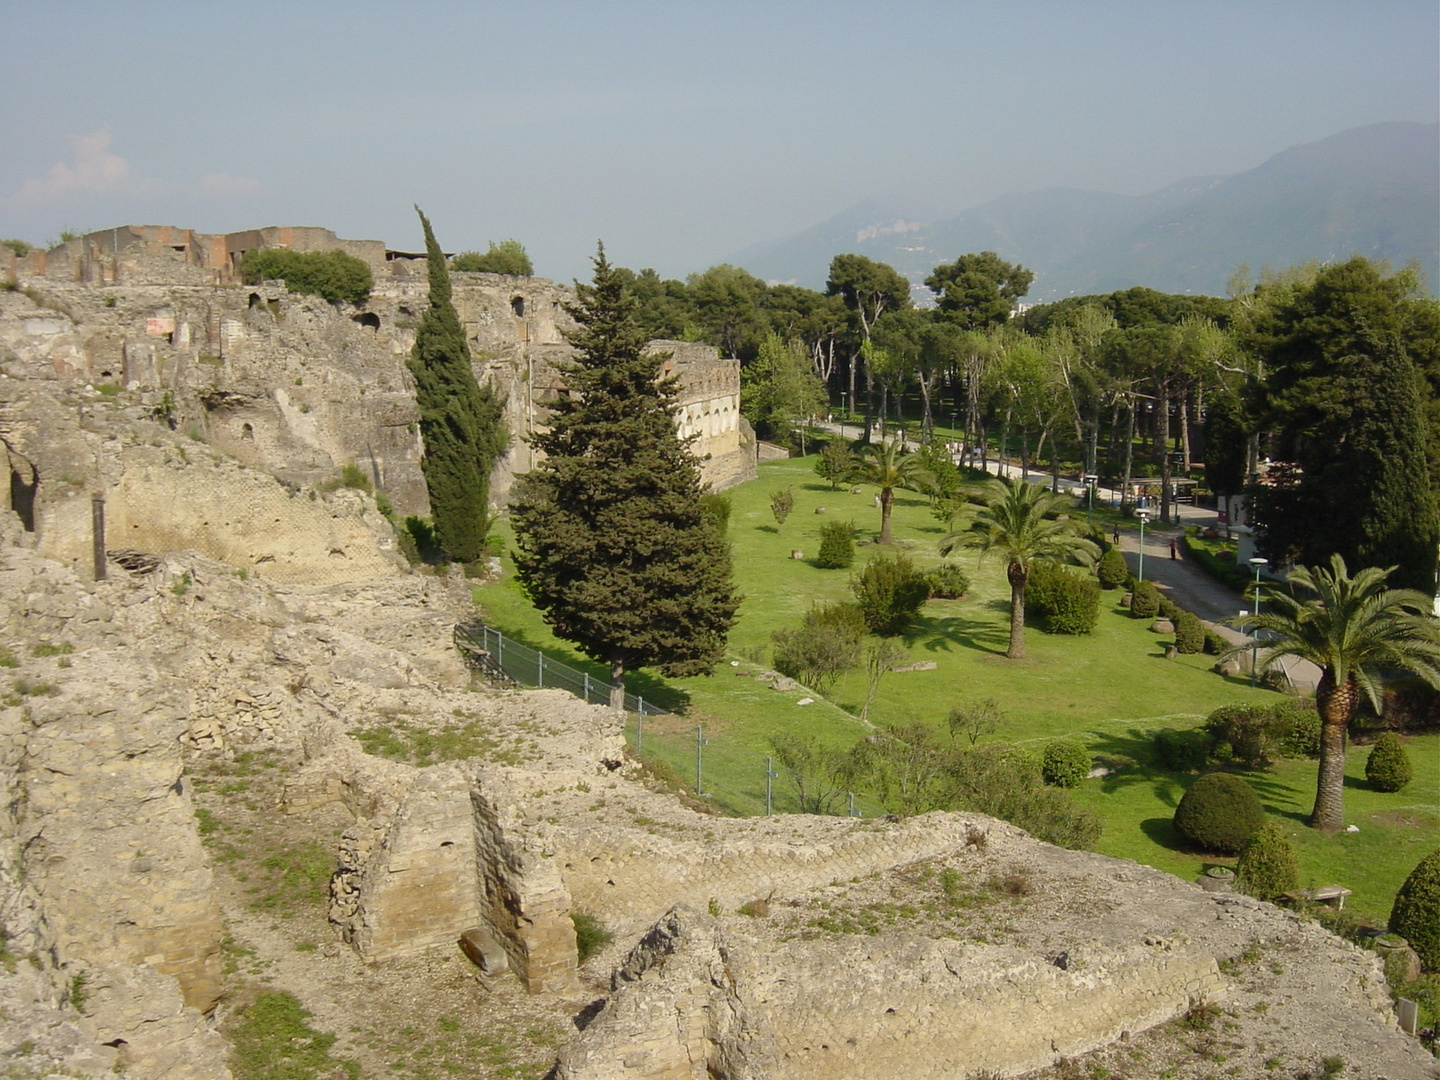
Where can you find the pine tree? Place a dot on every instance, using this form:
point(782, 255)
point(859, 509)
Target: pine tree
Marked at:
point(613, 545)
point(461, 422)
point(1347, 414)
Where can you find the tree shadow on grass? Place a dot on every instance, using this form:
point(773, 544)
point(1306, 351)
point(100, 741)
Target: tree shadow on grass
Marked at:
point(947, 633)
point(644, 683)
point(1161, 831)
point(767, 528)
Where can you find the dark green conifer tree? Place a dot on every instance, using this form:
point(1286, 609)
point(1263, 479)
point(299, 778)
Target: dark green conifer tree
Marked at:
point(613, 545)
point(1345, 408)
point(461, 422)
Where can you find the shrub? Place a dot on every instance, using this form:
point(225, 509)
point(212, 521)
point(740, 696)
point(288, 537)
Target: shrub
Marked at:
point(781, 503)
point(591, 935)
point(1268, 867)
point(1182, 751)
point(716, 509)
point(1168, 609)
point(1067, 602)
point(506, 257)
point(1112, 571)
point(1005, 782)
point(20, 247)
point(836, 463)
point(1298, 725)
point(1243, 733)
point(1189, 633)
point(947, 582)
point(330, 275)
point(1388, 766)
point(824, 647)
point(1065, 762)
point(1215, 645)
point(1416, 913)
point(890, 591)
point(1220, 812)
point(837, 545)
point(1144, 600)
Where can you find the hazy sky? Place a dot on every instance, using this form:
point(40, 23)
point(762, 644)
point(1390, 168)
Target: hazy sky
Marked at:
point(678, 132)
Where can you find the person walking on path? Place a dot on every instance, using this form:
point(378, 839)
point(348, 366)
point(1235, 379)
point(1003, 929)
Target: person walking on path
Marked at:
point(1173, 555)
point(1117, 536)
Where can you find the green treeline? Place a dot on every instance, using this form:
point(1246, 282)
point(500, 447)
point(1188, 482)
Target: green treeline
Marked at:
point(1315, 390)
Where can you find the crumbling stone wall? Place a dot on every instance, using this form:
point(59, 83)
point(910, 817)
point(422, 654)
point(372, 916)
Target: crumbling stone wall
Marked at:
point(740, 1003)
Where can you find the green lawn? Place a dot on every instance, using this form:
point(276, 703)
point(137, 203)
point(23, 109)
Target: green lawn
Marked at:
point(1111, 689)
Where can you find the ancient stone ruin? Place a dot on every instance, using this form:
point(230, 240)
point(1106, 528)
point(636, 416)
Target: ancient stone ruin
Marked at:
point(243, 606)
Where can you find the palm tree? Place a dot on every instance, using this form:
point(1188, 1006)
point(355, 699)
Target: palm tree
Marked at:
point(1351, 629)
point(1018, 520)
point(889, 466)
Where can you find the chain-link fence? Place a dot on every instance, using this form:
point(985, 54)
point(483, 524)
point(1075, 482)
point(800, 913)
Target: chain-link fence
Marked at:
point(729, 775)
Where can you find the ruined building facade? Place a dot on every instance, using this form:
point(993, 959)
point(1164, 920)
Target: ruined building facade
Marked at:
point(156, 318)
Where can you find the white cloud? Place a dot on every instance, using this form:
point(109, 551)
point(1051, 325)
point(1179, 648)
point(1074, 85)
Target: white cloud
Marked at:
point(227, 186)
point(95, 171)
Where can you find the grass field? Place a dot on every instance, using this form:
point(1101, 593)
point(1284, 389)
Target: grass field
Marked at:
point(1111, 689)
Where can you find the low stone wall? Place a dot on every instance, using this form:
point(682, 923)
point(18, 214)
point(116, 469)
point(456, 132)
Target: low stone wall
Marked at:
point(703, 998)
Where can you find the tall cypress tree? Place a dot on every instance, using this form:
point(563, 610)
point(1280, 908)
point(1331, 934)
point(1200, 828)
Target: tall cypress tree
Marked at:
point(461, 422)
point(613, 546)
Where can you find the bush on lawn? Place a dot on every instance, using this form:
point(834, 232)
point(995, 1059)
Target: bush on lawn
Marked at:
point(1388, 766)
point(1182, 751)
point(824, 647)
point(837, 545)
point(1189, 634)
point(1298, 726)
point(1168, 609)
point(1112, 572)
point(1144, 600)
point(1268, 868)
point(1005, 782)
point(890, 591)
point(1220, 812)
point(1255, 735)
point(1065, 762)
point(1416, 913)
point(948, 582)
point(1214, 643)
point(1066, 602)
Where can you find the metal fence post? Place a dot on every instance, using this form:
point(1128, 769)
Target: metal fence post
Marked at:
point(770, 774)
point(639, 731)
point(587, 688)
point(853, 812)
point(540, 671)
point(700, 743)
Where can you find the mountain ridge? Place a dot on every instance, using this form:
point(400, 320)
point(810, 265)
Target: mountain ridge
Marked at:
point(1372, 190)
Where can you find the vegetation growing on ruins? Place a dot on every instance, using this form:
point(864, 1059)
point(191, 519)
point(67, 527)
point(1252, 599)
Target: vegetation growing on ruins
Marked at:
point(614, 545)
point(506, 257)
point(461, 423)
point(330, 275)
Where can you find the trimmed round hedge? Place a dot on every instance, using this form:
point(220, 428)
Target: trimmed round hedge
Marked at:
point(1065, 762)
point(1388, 766)
point(1416, 914)
point(1220, 812)
point(1268, 868)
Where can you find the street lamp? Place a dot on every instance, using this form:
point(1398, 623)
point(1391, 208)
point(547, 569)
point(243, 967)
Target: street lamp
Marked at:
point(1090, 479)
point(843, 411)
point(1257, 563)
point(1144, 516)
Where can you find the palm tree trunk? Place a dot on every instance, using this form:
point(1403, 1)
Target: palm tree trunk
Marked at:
point(1018, 576)
point(1336, 705)
point(887, 499)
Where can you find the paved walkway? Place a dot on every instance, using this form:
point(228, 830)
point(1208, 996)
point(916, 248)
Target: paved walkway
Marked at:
point(1184, 582)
